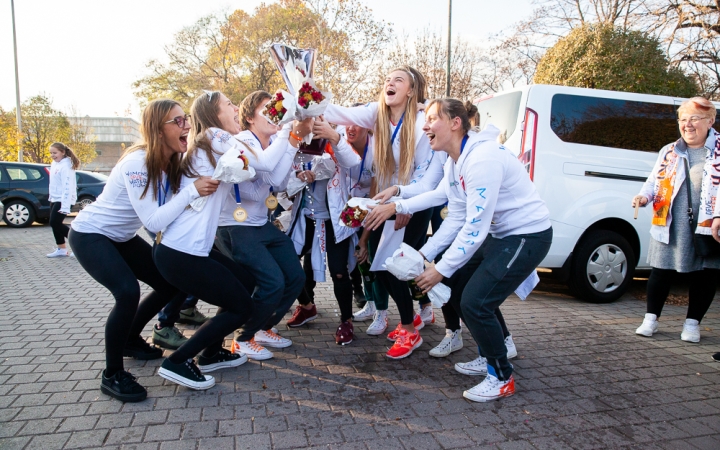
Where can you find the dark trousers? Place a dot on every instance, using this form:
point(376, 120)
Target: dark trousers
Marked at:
point(214, 279)
point(703, 284)
point(337, 262)
point(269, 256)
point(118, 266)
point(502, 265)
point(169, 315)
point(59, 229)
point(415, 236)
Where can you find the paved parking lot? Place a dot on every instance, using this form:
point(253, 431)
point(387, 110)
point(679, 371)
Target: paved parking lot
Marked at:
point(584, 379)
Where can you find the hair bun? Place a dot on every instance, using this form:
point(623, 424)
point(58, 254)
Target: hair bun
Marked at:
point(470, 108)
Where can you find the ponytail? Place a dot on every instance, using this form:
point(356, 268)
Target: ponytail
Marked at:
point(67, 151)
point(451, 108)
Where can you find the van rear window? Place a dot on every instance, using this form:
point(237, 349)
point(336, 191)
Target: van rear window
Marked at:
point(501, 111)
point(608, 122)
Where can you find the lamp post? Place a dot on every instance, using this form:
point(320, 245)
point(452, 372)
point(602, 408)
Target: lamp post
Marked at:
point(447, 82)
point(17, 86)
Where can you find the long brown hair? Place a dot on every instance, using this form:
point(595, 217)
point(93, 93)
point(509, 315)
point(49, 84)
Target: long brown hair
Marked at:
point(249, 105)
point(67, 151)
point(154, 117)
point(384, 161)
point(204, 112)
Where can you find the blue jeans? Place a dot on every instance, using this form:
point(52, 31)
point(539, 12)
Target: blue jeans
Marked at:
point(503, 264)
point(169, 315)
point(269, 255)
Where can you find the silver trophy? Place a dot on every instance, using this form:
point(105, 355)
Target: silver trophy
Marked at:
point(294, 64)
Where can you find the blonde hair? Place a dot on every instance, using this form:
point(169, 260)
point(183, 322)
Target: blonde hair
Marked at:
point(384, 161)
point(701, 105)
point(153, 118)
point(67, 151)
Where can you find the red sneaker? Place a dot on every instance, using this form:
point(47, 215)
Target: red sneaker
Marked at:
point(405, 344)
point(344, 334)
point(417, 323)
point(301, 316)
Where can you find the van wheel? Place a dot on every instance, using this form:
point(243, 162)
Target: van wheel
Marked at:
point(603, 267)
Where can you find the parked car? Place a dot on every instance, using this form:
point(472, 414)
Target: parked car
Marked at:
point(24, 189)
point(588, 152)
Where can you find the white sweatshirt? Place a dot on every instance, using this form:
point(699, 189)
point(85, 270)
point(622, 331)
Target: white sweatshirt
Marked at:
point(119, 211)
point(488, 191)
point(63, 186)
point(360, 183)
point(193, 232)
point(254, 192)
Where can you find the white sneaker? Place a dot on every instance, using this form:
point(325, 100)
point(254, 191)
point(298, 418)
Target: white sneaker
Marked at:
point(649, 326)
point(252, 349)
point(510, 346)
point(272, 339)
point(490, 389)
point(477, 366)
point(452, 342)
point(691, 331)
point(59, 252)
point(379, 323)
point(427, 314)
point(368, 312)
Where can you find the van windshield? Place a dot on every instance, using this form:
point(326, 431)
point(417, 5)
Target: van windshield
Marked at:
point(501, 111)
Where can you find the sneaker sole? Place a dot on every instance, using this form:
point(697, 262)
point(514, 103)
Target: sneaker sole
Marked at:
point(259, 357)
point(419, 343)
point(142, 356)
point(165, 345)
point(452, 350)
point(273, 344)
point(479, 398)
point(182, 381)
point(376, 333)
point(362, 319)
point(694, 341)
point(469, 372)
point(309, 319)
point(343, 343)
point(645, 334)
point(128, 398)
point(223, 365)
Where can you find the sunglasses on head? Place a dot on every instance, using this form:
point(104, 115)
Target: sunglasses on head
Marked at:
point(209, 94)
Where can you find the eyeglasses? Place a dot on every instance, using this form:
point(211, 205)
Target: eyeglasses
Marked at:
point(692, 119)
point(209, 94)
point(180, 121)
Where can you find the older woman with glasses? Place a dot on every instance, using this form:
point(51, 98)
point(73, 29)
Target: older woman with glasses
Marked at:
point(683, 189)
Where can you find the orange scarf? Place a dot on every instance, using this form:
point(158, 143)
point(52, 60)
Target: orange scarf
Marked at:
point(664, 187)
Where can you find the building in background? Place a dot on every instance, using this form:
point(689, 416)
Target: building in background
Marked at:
point(112, 136)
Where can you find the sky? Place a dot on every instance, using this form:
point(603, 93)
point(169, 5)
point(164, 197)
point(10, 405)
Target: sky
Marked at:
point(85, 54)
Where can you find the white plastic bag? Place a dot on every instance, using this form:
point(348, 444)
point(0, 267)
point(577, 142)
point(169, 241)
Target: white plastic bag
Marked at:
point(294, 186)
point(527, 286)
point(407, 264)
point(323, 167)
point(230, 169)
point(283, 221)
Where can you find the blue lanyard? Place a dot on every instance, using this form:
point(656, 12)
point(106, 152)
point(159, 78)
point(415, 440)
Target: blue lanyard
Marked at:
point(163, 198)
point(464, 141)
point(237, 194)
point(362, 164)
point(308, 166)
point(258, 139)
point(397, 128)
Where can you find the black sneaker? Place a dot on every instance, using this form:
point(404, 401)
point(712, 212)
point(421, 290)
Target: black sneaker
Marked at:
point(186, 374)
point(360, 300)
point(123, 387)
point(138, 348)
point(221, 360)
point(716, 356)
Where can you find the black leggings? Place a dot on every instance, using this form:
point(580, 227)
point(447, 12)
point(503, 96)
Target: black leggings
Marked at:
point(215, 279)
point(59, 229)
point(337, 260)
point(703, 284)
point(415, 236)
point(118, 266)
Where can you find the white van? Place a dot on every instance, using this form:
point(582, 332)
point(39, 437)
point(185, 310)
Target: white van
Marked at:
point(588, 152)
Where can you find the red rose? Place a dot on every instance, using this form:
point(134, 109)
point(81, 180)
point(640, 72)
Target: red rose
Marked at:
point(283, 111)
point(317, 96)
point(273, 111)
point(279, 96)
point(302, 102)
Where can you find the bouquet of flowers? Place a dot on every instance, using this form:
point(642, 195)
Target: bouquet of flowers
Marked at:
point(232, 167)
point(355, 211)
point(280, 109)
point(407, 264)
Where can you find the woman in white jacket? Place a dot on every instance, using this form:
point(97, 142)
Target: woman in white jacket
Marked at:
point(143, 189)
point(317, 234)
point(497, 232)
point(402, 157)
point(63, 193)
point(185, 255)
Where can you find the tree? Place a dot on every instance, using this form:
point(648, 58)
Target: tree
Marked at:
point(602, 56)
point(43, 125)
point(9, 136)
point(230, 52)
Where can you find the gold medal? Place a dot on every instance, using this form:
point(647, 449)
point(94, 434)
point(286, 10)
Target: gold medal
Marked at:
point(271, 202)
point(444, 213)
point(158, 238)
point(240, 215)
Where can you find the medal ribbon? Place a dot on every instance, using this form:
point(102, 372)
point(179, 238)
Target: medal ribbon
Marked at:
point(362, 165)
point(162, 193)
point(397, 128)
point(238, 200)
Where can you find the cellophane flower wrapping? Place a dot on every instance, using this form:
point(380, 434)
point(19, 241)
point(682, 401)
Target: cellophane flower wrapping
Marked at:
point(323, 166)
point(294, 186)
point(281, 108)
point(232, 167)
point(282, 222)
point(406, 264)
point(354, 213)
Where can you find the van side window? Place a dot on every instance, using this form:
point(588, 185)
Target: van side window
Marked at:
point(608, 122)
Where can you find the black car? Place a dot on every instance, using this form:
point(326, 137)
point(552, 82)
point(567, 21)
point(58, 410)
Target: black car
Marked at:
point(24, 190)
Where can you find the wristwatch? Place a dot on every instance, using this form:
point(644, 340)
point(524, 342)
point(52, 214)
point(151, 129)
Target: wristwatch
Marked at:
point(399, 208)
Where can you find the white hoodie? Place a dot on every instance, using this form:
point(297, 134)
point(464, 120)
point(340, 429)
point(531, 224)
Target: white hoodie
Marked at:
point(488, 192)
point(63, 186)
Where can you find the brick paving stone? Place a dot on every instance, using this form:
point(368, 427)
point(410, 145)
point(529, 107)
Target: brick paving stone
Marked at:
point(584, 379)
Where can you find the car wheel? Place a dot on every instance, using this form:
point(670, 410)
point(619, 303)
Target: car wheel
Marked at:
point(83, 202)
point(18, 214)
point(603, 267)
